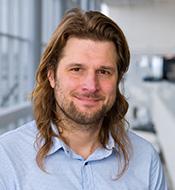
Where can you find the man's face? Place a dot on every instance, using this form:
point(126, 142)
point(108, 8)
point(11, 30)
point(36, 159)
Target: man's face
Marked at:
point(85, 81)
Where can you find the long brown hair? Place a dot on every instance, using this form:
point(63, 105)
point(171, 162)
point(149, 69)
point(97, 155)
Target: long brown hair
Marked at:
point(86, 25)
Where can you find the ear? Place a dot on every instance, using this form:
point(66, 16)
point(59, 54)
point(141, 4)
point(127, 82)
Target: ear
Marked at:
point(51, 78)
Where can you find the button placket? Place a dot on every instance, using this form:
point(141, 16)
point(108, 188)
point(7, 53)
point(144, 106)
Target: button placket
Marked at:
point(87, 177)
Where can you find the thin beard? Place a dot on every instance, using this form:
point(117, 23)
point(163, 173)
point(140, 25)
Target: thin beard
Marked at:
point(66, 118)
point(80, 117)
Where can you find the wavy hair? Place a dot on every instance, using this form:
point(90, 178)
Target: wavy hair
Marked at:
point(84, 25)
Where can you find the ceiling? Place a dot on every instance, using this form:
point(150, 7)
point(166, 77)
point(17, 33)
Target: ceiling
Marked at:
point(134, 2)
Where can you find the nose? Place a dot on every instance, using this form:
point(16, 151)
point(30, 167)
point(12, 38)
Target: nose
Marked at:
point(90, 82)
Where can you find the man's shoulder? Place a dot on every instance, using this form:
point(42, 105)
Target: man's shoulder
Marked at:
point(141, 146)
point(136, 139)
point(26, 132)
point(17, 153)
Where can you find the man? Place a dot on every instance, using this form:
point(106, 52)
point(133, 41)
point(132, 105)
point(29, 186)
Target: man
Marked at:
point(79, 138)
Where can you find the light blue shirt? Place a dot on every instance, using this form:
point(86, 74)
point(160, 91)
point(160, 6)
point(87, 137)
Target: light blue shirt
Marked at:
point(69, 171)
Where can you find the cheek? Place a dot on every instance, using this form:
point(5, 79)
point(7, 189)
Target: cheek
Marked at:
point(64, 87)
point(109, 89)
point(112, 94)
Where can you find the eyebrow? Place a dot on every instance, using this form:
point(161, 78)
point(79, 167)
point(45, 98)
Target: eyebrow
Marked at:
point(74, 64)
point(111, 68)
point(107, 68)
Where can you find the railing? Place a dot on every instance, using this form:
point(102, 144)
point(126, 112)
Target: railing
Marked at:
point(158, 97)
point(15, 116)
point(164, 117)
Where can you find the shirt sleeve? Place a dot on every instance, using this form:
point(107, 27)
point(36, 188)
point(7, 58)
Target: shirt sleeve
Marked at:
point(6, 171)
point(157, 177)
point(2, 187)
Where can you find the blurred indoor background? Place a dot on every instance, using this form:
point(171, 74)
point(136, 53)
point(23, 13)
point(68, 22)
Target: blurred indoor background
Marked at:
point(149, 26)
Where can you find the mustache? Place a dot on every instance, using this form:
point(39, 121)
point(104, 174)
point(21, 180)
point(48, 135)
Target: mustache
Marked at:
point(90, 95)
point(93, 96)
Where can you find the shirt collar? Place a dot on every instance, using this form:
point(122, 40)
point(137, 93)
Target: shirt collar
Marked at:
point(59, 144)
point(111, 143)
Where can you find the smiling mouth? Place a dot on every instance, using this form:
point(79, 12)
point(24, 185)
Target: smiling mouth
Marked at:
point(89, 100)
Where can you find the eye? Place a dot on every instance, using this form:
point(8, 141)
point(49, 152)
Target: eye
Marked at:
point(75, 69)
point(104, 72)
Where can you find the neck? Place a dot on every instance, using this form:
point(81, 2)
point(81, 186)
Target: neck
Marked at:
point(82, 139)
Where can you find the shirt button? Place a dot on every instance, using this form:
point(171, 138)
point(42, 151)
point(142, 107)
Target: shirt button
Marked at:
point(86, 163)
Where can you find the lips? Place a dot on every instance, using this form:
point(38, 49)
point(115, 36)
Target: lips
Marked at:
point(88, 100)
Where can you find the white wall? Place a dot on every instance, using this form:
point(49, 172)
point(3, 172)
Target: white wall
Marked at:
point(148, 28)
point(164, 121)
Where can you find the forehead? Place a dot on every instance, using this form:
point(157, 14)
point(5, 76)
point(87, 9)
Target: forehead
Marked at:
point(91, 51)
